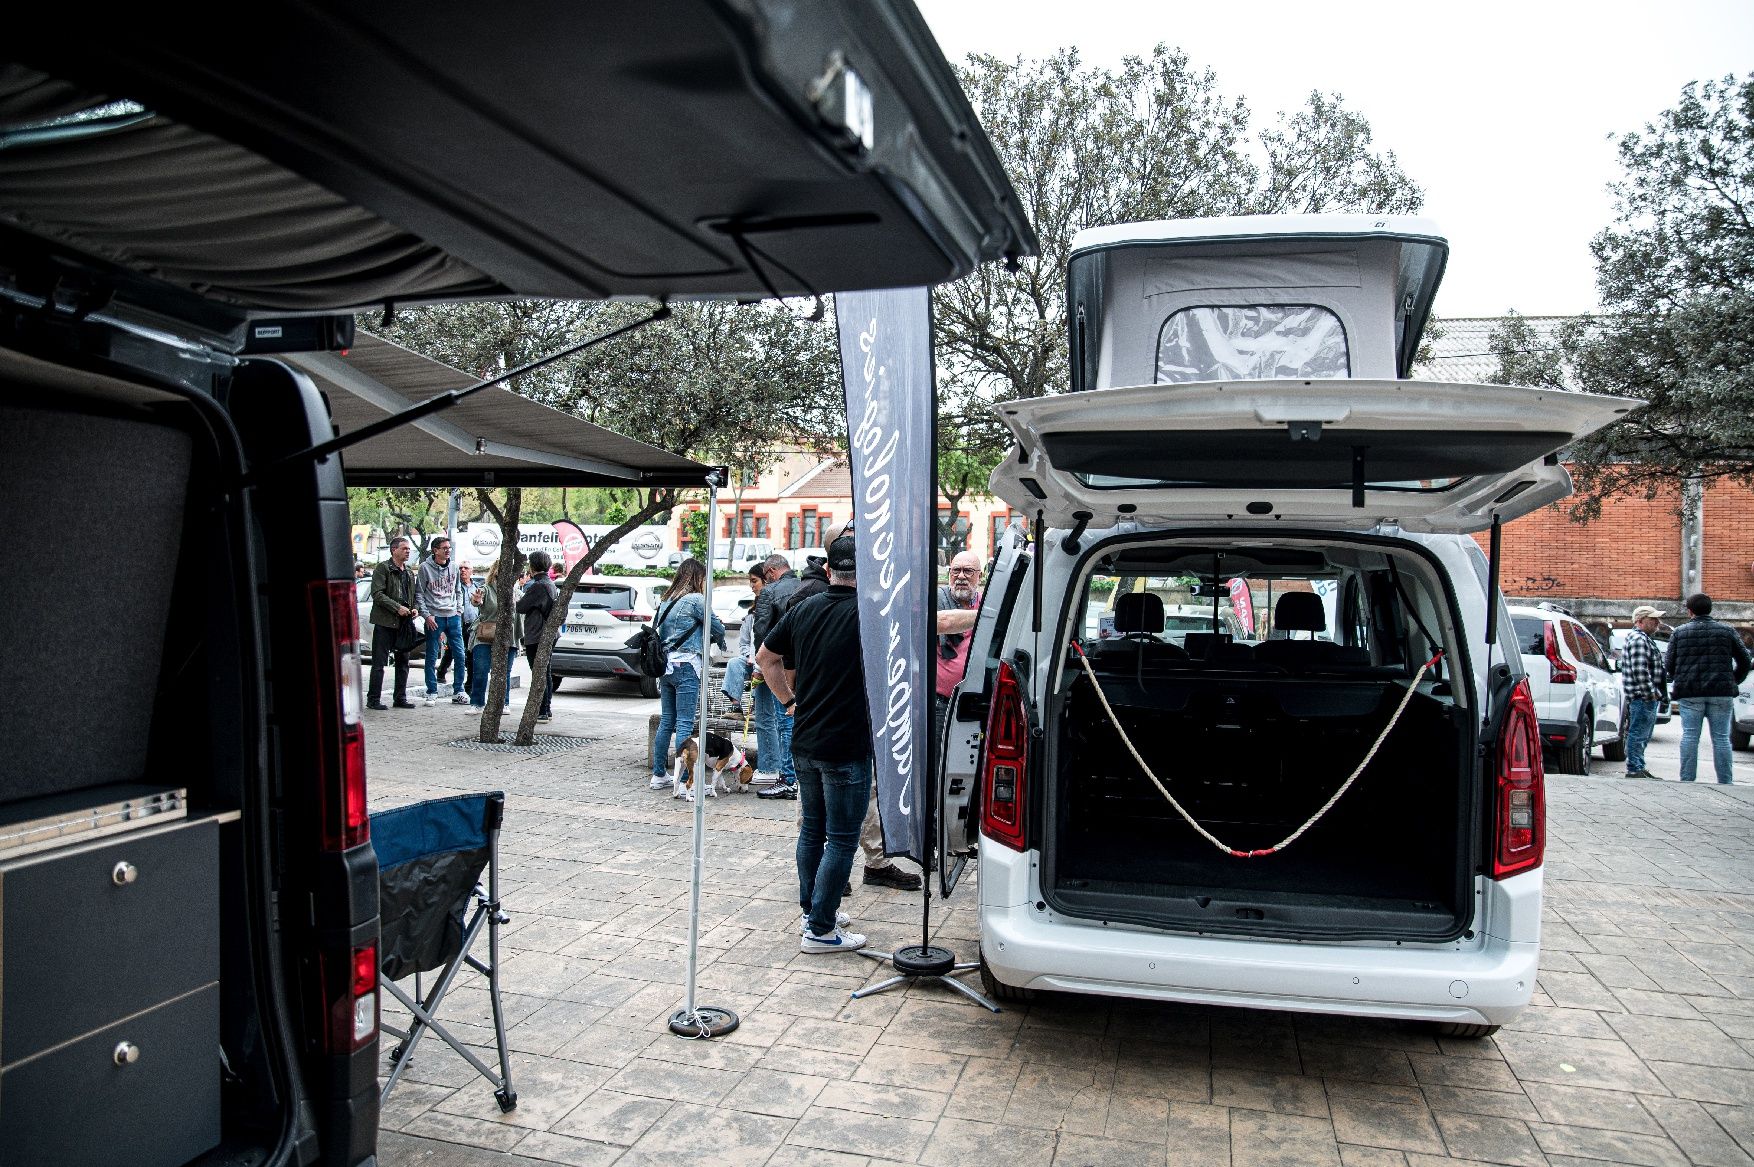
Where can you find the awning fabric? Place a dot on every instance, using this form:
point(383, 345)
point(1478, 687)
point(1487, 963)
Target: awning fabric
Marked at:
point(492, 438)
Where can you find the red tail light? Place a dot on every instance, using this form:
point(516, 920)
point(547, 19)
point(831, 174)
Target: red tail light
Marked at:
point(1004, 764)
point(1563, 672)
point(630, 616)
point(350, 999)
point(341, 732)
point(1520, 837)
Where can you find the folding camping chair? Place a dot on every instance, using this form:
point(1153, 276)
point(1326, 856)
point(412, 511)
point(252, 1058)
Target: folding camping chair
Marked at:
point(432, 907)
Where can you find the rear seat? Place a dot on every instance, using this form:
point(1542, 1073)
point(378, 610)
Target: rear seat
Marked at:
point(1303, 612)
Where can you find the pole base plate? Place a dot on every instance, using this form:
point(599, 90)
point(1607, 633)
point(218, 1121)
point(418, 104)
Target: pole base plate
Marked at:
point(921, 960)
point(705, 1021)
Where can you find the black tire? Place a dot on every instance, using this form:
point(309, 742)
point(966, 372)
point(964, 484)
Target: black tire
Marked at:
point(1740, 739)
point(1575, 758)
point(1615, 751)
point(998, 990)
point(555, 688)
point(648, 686)
point(1465, 1029)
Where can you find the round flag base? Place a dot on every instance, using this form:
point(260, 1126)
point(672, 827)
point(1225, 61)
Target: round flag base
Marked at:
point(922, 960)
point(704, 1021)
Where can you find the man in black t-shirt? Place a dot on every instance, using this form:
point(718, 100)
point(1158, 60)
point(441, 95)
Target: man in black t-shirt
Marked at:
point(813, 666)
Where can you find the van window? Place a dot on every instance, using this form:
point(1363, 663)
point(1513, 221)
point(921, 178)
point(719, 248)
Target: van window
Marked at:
point(1258, 342)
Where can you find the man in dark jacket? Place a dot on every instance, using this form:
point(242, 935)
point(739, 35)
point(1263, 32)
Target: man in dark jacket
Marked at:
point(1706, 661)
point(392, 596)
point(777, 778)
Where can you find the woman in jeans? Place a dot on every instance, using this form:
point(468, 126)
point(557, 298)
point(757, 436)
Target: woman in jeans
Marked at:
point(681, 625)
point(486, 601)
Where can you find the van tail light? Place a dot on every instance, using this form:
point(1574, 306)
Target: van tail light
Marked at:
point(340, 704)
point(1520, 836)
point(629, 616)
point(1563, 671)
point(1004, 763)
point(350, 999)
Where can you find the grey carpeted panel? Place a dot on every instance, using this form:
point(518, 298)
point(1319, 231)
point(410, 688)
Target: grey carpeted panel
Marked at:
point(96, 509)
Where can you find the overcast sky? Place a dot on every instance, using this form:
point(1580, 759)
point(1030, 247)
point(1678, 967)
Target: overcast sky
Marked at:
point(1501, 112)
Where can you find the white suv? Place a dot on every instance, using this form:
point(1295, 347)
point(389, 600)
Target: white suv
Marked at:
point(1577, 689)
point(603, 616)
point(1338, 806)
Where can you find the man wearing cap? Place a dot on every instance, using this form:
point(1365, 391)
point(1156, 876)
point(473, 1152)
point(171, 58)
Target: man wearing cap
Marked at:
point(1647, 687)
point(1706, 661)
point(814, 669)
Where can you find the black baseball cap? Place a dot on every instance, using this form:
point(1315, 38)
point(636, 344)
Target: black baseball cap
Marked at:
point(841, 555)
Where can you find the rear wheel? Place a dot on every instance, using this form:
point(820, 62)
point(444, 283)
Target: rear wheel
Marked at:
point(1575, 758)
point(1615, 751)
point(998, 990)
point(1740, 738)
point(1464, 1029)
point(648, 686)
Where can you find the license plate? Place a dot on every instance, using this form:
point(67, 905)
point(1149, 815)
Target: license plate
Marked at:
point(579, 629)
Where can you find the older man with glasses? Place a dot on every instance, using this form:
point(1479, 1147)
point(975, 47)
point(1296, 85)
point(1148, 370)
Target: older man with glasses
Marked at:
point(958, 607)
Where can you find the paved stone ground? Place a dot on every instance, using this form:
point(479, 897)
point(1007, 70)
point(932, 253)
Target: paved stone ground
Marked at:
point(1638, 1049)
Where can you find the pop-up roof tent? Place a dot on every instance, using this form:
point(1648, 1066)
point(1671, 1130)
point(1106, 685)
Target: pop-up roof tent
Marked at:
point(1250, 297)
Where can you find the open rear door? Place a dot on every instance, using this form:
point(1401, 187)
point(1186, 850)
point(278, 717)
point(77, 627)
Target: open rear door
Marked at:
point(1425, 456)
point(959, 759)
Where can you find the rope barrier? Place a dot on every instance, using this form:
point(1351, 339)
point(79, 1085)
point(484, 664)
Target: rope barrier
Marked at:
point(1412, 687)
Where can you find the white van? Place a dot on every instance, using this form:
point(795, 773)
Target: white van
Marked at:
point(1346, 815)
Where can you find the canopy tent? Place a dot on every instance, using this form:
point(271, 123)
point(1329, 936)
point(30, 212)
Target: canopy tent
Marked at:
point(493, 438)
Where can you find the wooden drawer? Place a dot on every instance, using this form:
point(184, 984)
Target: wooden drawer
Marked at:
point(86, 941)
point(85, 1104)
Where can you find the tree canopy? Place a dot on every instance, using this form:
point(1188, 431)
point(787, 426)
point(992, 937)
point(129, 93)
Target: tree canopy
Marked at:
point(1675, 277)
point(1088, 146)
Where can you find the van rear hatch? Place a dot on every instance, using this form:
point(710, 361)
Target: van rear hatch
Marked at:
point(1346, 453)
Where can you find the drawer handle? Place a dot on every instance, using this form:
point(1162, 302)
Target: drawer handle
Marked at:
point(124, 874)
point(127, 1053)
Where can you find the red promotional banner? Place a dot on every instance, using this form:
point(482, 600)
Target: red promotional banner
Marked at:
point(572, 542)
point(1242, 602)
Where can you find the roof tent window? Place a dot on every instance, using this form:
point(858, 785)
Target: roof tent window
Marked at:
point(1257, 342)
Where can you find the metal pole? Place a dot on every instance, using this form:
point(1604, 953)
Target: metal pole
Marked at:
point(693, 1020)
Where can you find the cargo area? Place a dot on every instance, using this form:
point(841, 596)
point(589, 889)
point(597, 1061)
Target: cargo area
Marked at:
point(1253, 718)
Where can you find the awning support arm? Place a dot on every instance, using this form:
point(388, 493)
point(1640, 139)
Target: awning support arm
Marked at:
point(444, 401)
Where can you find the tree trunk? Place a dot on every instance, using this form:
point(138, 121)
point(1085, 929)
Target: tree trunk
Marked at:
point(657, 500)
point(505, 639)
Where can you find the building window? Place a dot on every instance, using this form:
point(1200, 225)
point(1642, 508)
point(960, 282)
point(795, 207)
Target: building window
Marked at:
point(747, 525)
point(809, 528)
point(956, 538)
point(996, 525)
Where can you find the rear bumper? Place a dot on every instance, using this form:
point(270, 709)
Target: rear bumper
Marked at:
point(1485, 980)
point(592, 662)
point(1558, 733)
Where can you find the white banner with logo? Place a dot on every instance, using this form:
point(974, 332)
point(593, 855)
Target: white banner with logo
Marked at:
point(886, 365)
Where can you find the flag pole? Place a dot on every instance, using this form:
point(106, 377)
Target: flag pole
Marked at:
point(695, 1020)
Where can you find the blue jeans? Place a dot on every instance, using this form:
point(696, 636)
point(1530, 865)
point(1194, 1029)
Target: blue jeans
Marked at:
point(736, 684)
point(678, 705)
point(451, 629)
point(773, 737)
point(1641, 721)
point(832, 797)
point(480, 667)
point(1718, 711)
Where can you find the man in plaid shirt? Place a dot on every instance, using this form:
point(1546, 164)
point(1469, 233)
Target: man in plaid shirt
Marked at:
point(1647, 685)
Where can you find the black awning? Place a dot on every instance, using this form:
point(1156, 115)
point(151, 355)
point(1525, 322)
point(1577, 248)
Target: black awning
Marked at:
point(494, 438)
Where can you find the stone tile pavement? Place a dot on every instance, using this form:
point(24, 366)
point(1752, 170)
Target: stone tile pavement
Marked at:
point(1638, 1049)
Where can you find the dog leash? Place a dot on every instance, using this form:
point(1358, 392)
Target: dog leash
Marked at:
point(1406, 697)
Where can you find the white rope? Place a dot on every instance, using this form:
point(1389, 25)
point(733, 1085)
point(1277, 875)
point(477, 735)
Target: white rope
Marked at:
point(1412, 687)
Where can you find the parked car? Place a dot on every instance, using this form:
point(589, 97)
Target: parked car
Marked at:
point(731, 601)
point(1577, 689)
point(604, 614)
point(182, 201)
point(1742, 731)
point(1267, 438)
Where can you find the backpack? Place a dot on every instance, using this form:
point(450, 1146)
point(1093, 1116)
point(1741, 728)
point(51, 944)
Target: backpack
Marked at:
point(651, 655)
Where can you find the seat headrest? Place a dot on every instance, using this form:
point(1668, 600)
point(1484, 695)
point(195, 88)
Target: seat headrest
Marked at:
point(1300, 612)
point(1139, 612)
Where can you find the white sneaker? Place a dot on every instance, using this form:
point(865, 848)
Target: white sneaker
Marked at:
point(431, 700)
point(841, 920)
point(661, 782)
point(836, 941)
point(763, 778)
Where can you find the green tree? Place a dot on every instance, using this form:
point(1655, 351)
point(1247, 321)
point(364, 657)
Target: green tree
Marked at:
point(1675, 277)
point(1524, 358)
point(1088, 146)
